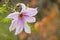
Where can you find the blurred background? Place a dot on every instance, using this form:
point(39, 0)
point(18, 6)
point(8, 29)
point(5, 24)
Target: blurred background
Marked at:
point(47, 26)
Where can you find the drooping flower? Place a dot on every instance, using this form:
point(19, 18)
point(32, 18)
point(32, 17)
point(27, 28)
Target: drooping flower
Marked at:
point(20, 19)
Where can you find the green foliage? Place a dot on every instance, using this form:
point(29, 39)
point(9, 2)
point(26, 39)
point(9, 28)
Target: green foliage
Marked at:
point(32, 27)
point(5, 34)
point(6, 20)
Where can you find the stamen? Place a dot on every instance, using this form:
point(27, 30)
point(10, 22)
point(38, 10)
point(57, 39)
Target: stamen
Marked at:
point(21, 15)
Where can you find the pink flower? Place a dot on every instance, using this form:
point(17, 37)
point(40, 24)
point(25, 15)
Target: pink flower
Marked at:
point(20, 19)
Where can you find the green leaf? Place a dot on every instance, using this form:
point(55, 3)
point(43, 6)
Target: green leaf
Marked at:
point(32, 27)
point(6, 20)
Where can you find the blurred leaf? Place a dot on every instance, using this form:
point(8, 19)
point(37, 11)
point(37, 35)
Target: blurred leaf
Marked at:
point(32, 27)
point(3, 9)
point(6, 20)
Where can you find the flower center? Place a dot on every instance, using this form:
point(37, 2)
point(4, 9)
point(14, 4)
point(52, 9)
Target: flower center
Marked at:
point(21, 15)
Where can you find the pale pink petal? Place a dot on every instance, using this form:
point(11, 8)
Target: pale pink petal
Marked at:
point(27, 28)
point(13, 25)
point(31, 11)
point(19, 28)
point(13, 15)
point(23, 6)
point(30, 19)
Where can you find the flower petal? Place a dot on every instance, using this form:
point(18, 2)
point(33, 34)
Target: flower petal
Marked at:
point(23, 6)
point(19, 27)
point(27, 28)
point(18, 30)
point(31, 11)
point(13, 15)
point(30, 19)
point(13, 25)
